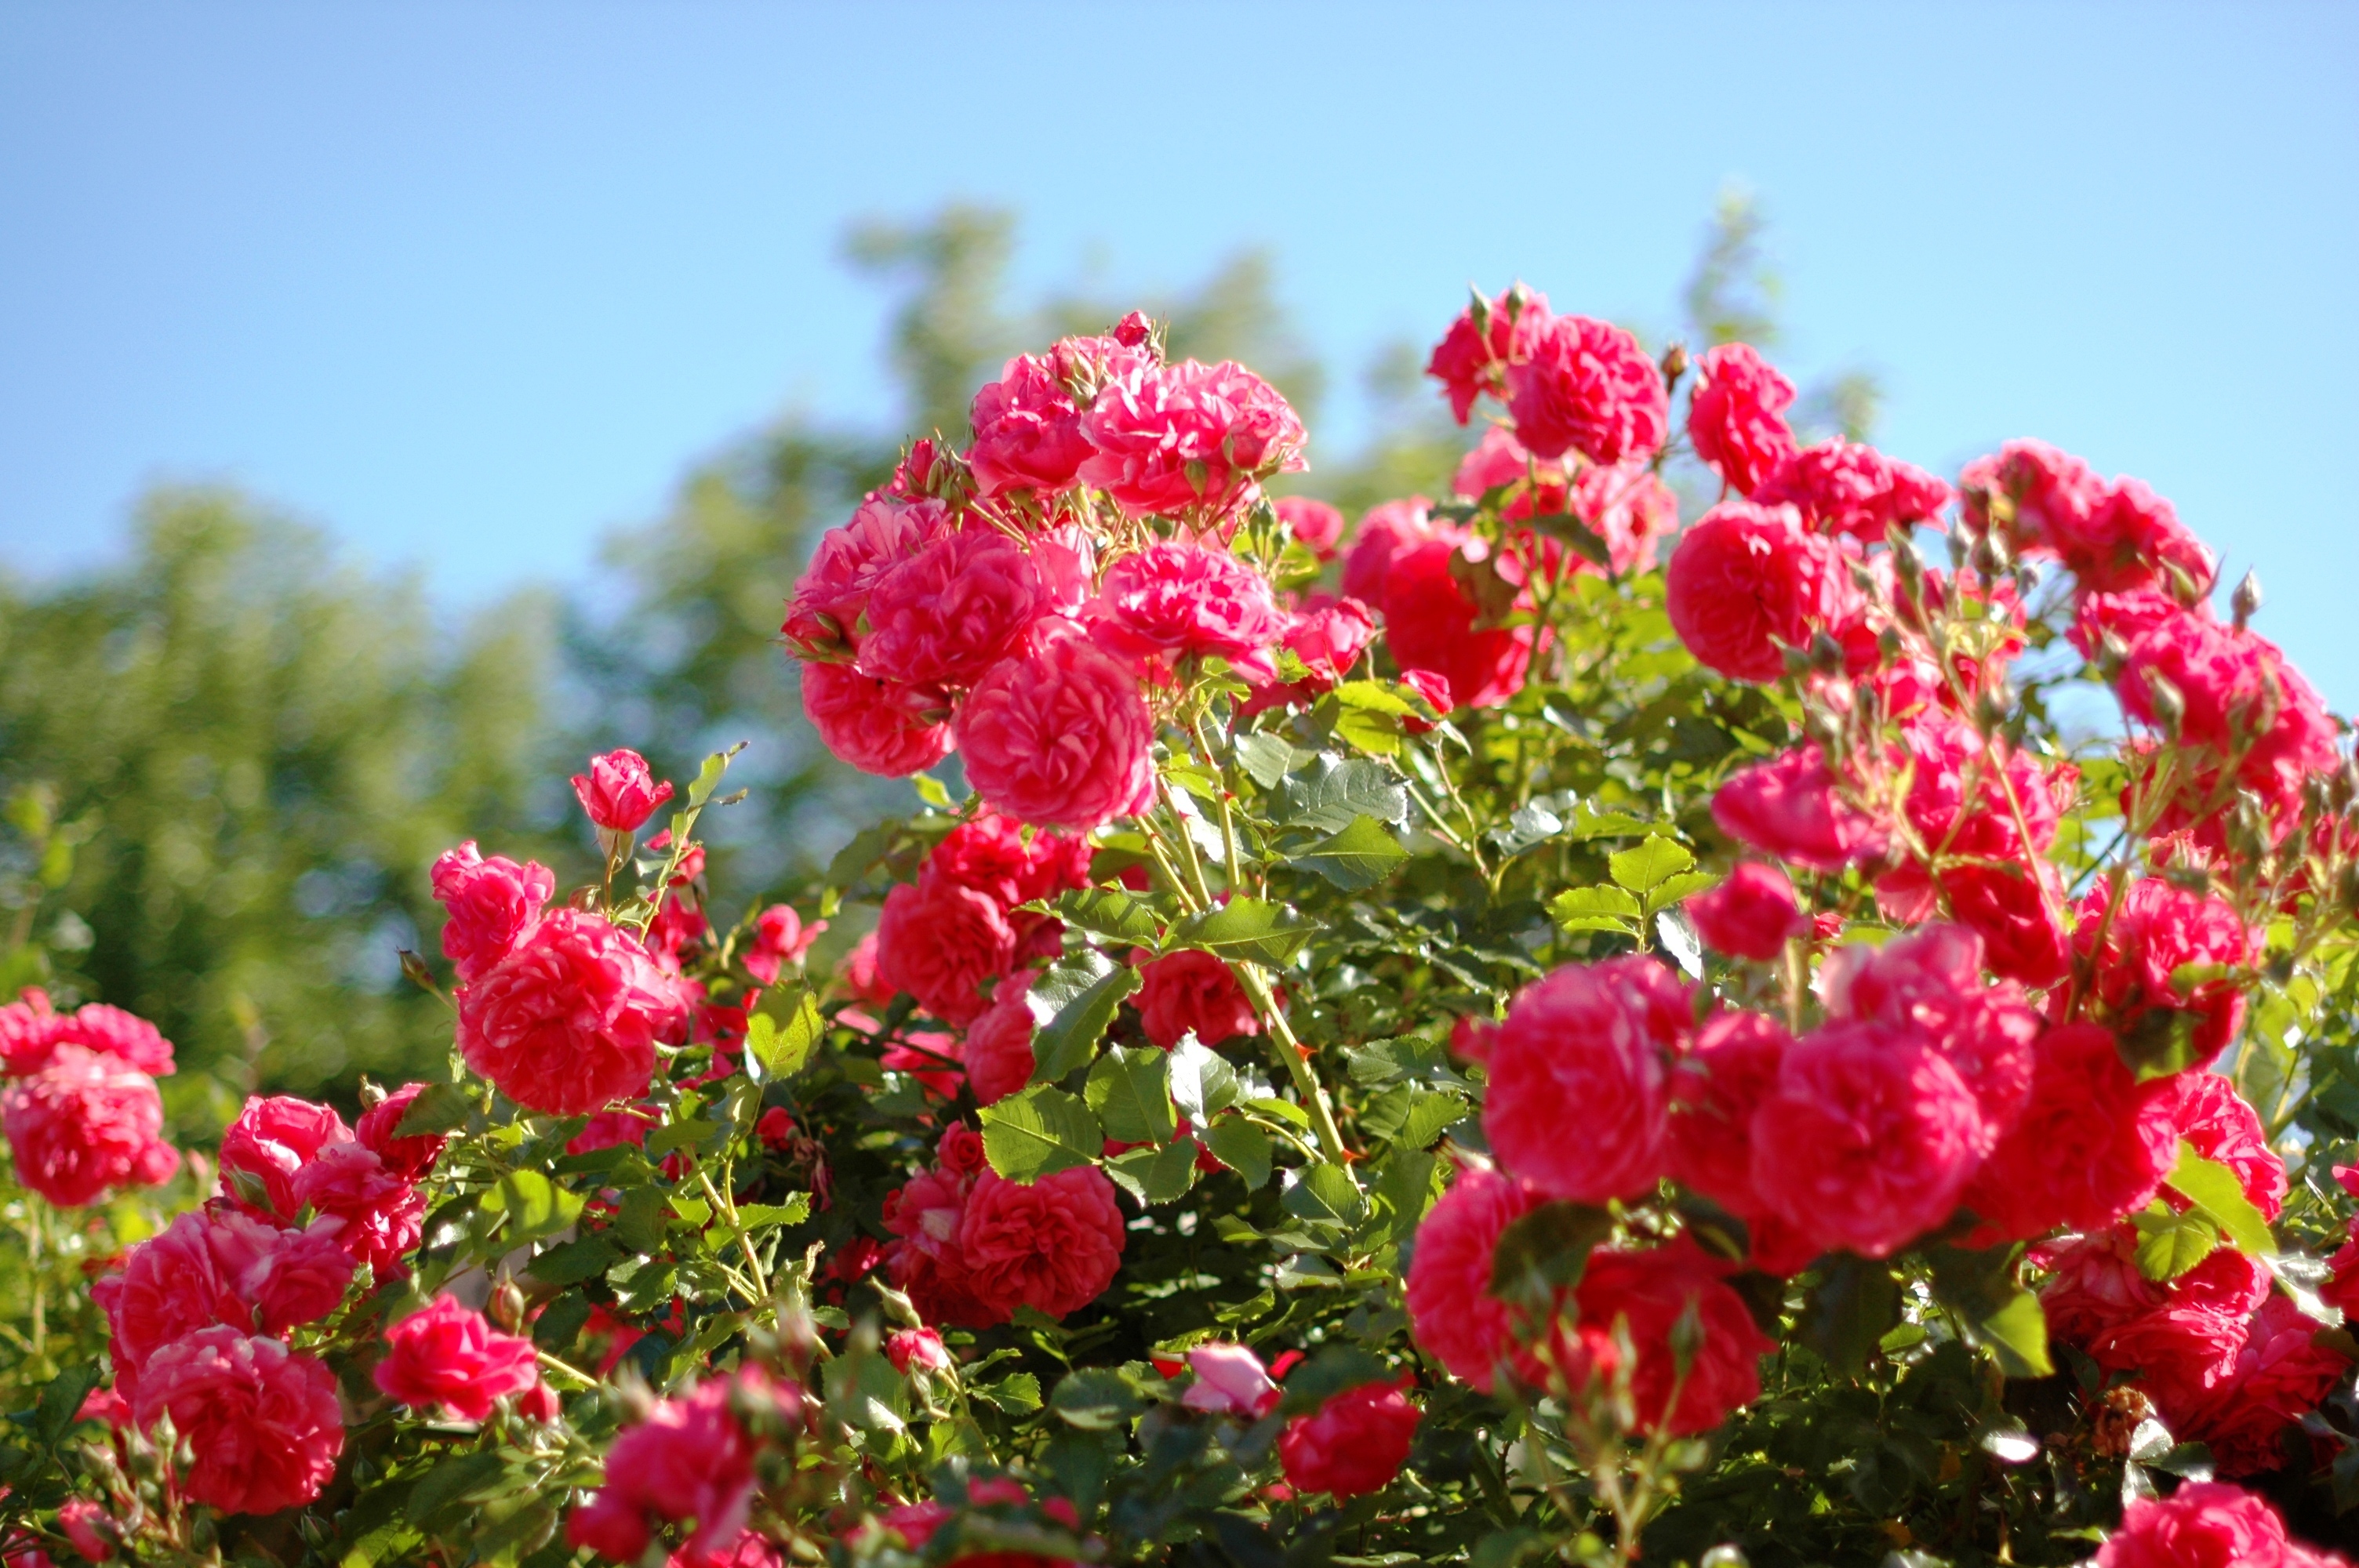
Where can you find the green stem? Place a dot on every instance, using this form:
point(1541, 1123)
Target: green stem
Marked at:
point(1288, 1050)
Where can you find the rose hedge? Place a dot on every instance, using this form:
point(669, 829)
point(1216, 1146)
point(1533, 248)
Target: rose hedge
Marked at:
point(1522, 1031)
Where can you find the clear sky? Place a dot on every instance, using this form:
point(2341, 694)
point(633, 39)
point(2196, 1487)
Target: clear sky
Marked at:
point(470, 283)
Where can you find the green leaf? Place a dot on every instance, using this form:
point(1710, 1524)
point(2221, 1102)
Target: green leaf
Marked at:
point(1111, 914)
point(450, 1480)
point(931, 791)
point(1284, 1109)
point(1073, 1002)
point(1157, 1176)
point(1325, 1194)
point(757, 1215)
point(1373, 696)
point(708, 777)
point(1097, 1398)
point(1590, 822)
point(1017, 1393)
point(1648, 866)
point(1527, 828)
point(2160, 1042)
point(1039, 1133)
point(2213, 1188)
point(1265, 758)
point(1853, 1307)
point(2016, 1334)
point(780, 1032)
point(1429, 1116)
point(439, 1108)
point(639, 1218)
point(1327, 795)
point(1129, 1087)
point(536, 1206)
point(1572, 531)
point(1361, 855)
point(1249, 928)
point(1377, 734)
point(1242, 1147)
point(1546, 1251)
point(59, 1402)
point(1670, 889)
point(2169, 1244)
point(1202, 1082)
point(1600, 908)
point(570, 1262)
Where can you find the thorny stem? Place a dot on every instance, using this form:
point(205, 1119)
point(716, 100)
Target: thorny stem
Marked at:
point(1288, 1050)
point(728, 1210)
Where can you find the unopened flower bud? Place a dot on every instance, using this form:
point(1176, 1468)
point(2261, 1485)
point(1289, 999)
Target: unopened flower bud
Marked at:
point(1991, 705)
point(2245, 600)
point(1888, 646)
point(2191, 878)
point(1960, 546)
point(1908, 560)
point(1990, 558)
point(2113, 655)
point(507, 1307)
point(2343, 787)
point(372, 1094)
point(1798, 661)
point(2169, 705)
point(1826, 654)
point(1675, 364)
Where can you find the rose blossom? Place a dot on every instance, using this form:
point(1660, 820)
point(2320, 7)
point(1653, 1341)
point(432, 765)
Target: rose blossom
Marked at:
point(1647, 1293)
point(2158, 930)
point(823, 618)
point(262, 1420)
point(1627, 506)
point(780, 938)
point(1747, 582)
point(2203, 1524)
point(1230, 1380)
point(1585, 385)
point(876, 726)
point(999, 1043)
point(450, 1355)
point(618, 792)
point(908, 1348)
point(31, 1034)
point(689, 1459)
point(953, 611)
point(89, 1527)
point(1028, 433)
point(1432, 624)
point(1734, 415)
point(1192, 991)
point(408, 1158)
point(1053, 1246)
point(1789, 806)
point(1385, 532)
point(917, 1523)
point(989, 853)
point(2213, 1118)
point(1932, 982)
point(217, 1265)
point(1751, 914)
point(2092, 1144)
point(490, 904)
point(2279, 1375)
point(271, 1140)
point(1059, 736)
point(940, 943)
point(1188, 440)
point(1316, 525)
point(1588, 1048)
point(375, 1215)
point(1844, 487)
point(1715, 1088)
point(568, 1023)
point(1177, 599)
point(925, 1260)
point(1452, 1312)
point(1867, 1139)
point(83, 1124)
point(1471, 356)
point(1328, 636)
point(1353, 1445)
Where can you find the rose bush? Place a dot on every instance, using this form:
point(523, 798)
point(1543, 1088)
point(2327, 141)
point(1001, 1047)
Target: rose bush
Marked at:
point(1509, 1031)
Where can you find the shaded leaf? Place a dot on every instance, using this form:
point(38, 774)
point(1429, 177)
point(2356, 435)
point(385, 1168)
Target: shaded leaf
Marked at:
point(1362, 855)
point(1546, 1251)
point(439, 1108)
point(1073, 1002)
point(1039, 1133)
point(1242, 1147)
point(1129, 1089)
point(1327, 795)
point(1157, 1176)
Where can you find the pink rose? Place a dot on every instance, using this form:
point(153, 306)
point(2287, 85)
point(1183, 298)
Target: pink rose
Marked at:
point(2093, 1286)
point(999, 1043)
point(1844, 487)
point(908, 1348)
point(1586, 385)
point(490, 904)
point(1866, 1140)
point(823, 618)
point(1648, 1294)
point(568, 1023)
point(1932, 982)
point(1328, 636)
point(1471, 357)
point(2279, 1375)
point(1790, 806)
point(1746, 583)
point(1353, 1445)
point(1176, 600)
point(1385, 532)
point(1053, 1246)
point(1432, 622)
point(270, 1141)
point(1452, 1312)
point(618, 792)
point(876, 726)
point(689, 1459)
point(1028, 433)
point(780, 938)
point(2203, 1524)
point(263, 1422)
point(2212, 1117)
point(947, 614)
point(1498, 462)
point(449, 1356)
point(1316, 525)
point(1230, 1380)
point(84, 1124)
point(2115, 537)
point(940, 943)
point(1589, 1046)
point(31, 1034)
point(1058, 737)
point(1752, 914)
point(925, 1260)
point(1192, 991)
point(408, 1158)
point(1625, 505)
point(2092, 1145)
point(217, 1265)
point(989, 853)
point(375, 1215)
point(1188, 440)
point(93, 1532)
point(2159, 931)
point(1734, 415)
point(1715, 1089)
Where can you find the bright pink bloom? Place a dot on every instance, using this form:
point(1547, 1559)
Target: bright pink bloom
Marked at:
point(1353, 1445)
point(2281, 1374)
point(89, 1527)
point(1648, 1292)
point(1587, 387)
point(450, 1355)
point(2169, 957)
point(1471, 358)
point(2213, 1118)
point(1627, 506)
point(568, 1023)
point(408, 1158)
point(947, 614)
point(2092, 1144)
point(1752, 914)
point(1188, 440)
point(876, 726)
point(1452, 1312)
point(31, 1032)
point(263, 1420)
point(908, 1348)
point(1316, 525)
point(491, 905)
point(1499, 461)
point(1932, 982)
point(1328, 636)
point(1747, 582)
point(999, 1043)
point(940, 943)
point(780, 938)
point(2115, 537)
point(1844, 487)
point(375, 1215)
point(1058, 737)
point(1028, 433)
point(618, 791)
point(691, 1459)
point(1192, 991)
point(1230, 1380)
point(1588, 1047)
point(925, 1260)
point(1385, 532)
point(1176, 598)
point(217, 1265)
point(1433, 623)
point(823, 619)
point(1790, 806)
point(2203, 1524)
point(84, 1124)
point(1053, 1246)
point(271, 1140)
point(1867, 1140)
point(1735, 414)
point(990, 854)
point(1715, 1089)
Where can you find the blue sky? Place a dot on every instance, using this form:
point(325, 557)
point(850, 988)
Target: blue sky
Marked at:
point(471, 285)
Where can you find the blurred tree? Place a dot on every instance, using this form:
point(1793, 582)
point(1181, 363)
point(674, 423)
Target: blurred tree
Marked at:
point(260, 751)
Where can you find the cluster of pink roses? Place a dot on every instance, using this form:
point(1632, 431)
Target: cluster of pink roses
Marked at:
point(80, 1109)
point(692, 1462)
point(2207, 1524)
point(970, 1247)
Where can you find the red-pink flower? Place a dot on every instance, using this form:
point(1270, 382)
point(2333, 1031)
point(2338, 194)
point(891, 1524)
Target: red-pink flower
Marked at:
point(84, 1124)
point(618, 792)
point(1588, 1047)
point(1433, 623)
point(2203, 1524)
point(2281, 1374)
point(1747, 582)
point(949, 612)
point(1791, 806)
point(2114, 536)
point(940, 942)
point(2092, 1145)
point(271, 1140)
point(1867, 1140)
point(2213, 1118)
point(408, 1158)
point(1587, 387)
point(1028, 433)
point(1649, 1293)
point(1735, 414)
point(876, 726)
point(1932, 982)
point(450, 1355)
point(999, 1043)
point(2169, 957)
point(780, 938)
point(1192, 991)
point(1053, 1246)
point(924, 1258)
point(1627, 506)
point(1471, 357)
point(1353, 1445)
point(568, 1023)
point(824, 617)
point(1385, 532)
point(216, 1266)
point(490, 904)
point(1715, 1088)
point(1752, 914)
point(31, 1032)
point(1059, 736)
point(1844, 487)
point(1230, 1380)
point(1316, 525)
point(1328, 636)
point(692, 1458)
point(1188, 440)
point(374, 1215)
point(908, 1348)
point(262, 1420)
point(989, 853)
point(1176, 598)
point(89, 1527)
point(1452, 1312)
